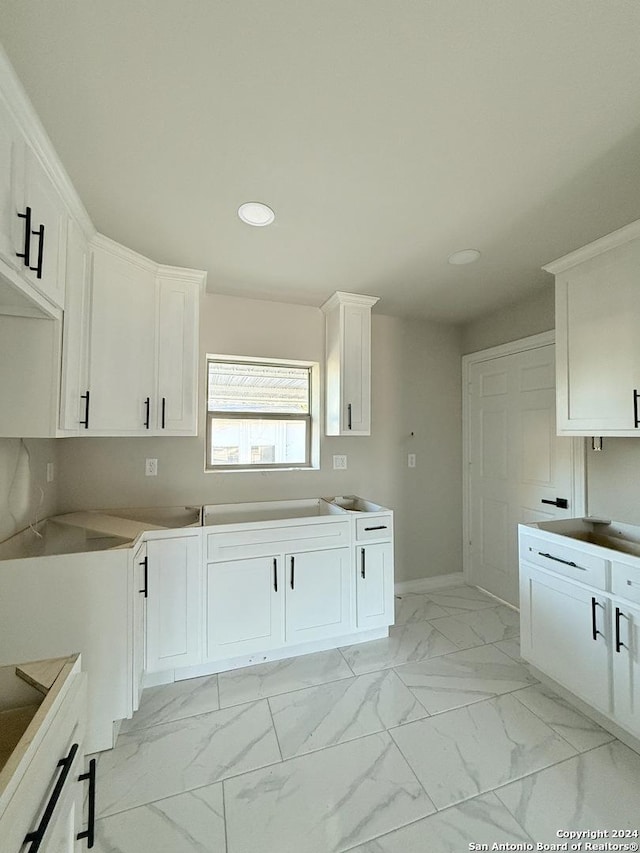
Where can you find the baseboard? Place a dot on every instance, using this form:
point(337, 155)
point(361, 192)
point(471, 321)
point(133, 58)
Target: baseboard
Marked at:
point(429, 584)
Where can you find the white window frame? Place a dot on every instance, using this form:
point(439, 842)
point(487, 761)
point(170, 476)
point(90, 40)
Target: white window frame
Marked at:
point(313, 418)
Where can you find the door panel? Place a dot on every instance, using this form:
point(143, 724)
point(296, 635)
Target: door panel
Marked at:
point(516, 462)
point(317, 594)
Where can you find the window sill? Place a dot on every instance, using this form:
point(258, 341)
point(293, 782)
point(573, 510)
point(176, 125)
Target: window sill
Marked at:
point(260, 470)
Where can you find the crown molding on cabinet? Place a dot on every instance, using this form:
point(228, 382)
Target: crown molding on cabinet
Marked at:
point(342, 298)
point(592, 250)
point(24, 114)
point(159, 270)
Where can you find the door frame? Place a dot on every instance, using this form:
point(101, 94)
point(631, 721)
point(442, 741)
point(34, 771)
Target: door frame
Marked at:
point(578, 462)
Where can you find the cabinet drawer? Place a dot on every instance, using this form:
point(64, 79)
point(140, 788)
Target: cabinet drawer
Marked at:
point(379, 527)
point(255, 542)
point(570, 562)
point(625, 581)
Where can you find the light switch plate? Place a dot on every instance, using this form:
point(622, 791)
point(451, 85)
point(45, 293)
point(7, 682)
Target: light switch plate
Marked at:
point(340, 463)
point(151, 468)
point(411, 460)
point(51, 472)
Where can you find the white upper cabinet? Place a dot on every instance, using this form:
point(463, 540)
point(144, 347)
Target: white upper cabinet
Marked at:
point(143, 363)
point(348, 363)
point(11, 173)
point(597, 340)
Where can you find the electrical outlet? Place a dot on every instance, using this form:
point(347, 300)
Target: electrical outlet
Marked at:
point(51, 472)
point(340, 463)
point(411, 460)
point(151, 468)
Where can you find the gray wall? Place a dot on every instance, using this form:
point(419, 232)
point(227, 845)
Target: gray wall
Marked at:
point(415, 388)
point(613, 475)
point(25, 495)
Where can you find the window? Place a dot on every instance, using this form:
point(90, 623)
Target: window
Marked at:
point(258, 414)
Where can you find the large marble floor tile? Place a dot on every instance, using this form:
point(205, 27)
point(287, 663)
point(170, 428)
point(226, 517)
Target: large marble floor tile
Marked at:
point(599, 789)
point(464, 677)
point(458, 599)
point(462, 753)
point(414, 607)
point(343, 710)
point(581, 732)
point(414, 641)
point(174, 702)
point(483, 820)
point(187, 823)
point(170, 758)
point(510, 647)
point(282, 676)
point(480, 626)
point(324, 802)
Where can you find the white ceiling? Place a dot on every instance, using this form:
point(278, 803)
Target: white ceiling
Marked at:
point(386, 134)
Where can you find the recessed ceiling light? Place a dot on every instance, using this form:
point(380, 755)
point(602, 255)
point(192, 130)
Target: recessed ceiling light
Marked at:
point(465, 256)
point(255, 213)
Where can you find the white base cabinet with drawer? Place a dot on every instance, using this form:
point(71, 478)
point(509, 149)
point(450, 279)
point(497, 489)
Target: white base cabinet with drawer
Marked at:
point(580, 614)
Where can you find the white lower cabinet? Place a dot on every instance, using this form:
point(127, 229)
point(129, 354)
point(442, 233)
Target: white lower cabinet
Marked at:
point(565, 633)
point(140, 587)
point(244, 606)
point(317, 595)
point(374, 585)
point(173, 602)
point(626, 664)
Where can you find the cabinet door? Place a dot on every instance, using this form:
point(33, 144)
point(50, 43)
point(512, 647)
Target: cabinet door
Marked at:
point(356, 370)
point(244, 606)
point(177, 397)
point(626, 666)
point(139, 591)
point(48, 231)
point(75, 332)
point(122, 349)
point(598, 349)
point(317, 595)
point(374, 585)
point(12, 228)
point(565, 634)
point(173, 603)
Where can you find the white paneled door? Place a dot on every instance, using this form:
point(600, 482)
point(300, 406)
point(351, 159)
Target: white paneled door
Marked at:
point(519, 470)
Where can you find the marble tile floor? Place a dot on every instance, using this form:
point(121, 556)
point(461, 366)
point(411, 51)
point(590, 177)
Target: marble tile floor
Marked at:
point(433, 740)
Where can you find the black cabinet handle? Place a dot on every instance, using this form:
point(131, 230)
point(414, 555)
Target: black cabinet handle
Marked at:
point(27, 236)
point(275, 575)
point(594, 626)
point(164, 411)
point(362, 563)
point(35, 838)
point(147, 405)
point(619, 643)
point(562, 503)
point(145, 591)
point(89, 832)
point(349, 416)
point(377, 527)
point(636, 420)
point(85, 422)
point(38, 267)
point(560, 560)
point(293, 566)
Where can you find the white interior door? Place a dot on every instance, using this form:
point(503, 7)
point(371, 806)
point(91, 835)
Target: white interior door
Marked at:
point(517, 466)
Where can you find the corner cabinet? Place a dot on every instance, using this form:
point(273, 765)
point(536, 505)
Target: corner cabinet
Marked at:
point(143, 346)
point(348, 363)
point(597, 342)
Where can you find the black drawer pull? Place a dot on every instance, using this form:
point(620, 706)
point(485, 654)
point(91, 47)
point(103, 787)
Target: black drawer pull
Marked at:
point(619, 643)
point(293, 566)
point(35, 838)
point(377, 527)
point(164, 411)
point(85, 422)
point(147, 405)
point(636, 420)
point(362, 565)
point(26, 255)
point(275, 575)
point(349, 416)
point(594, 626)
point(89, 832)
point(38, 267)
point(561, 503)
point(564, 562)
